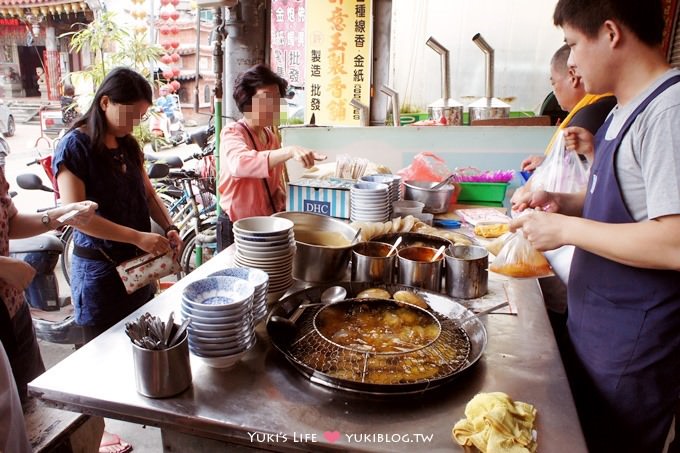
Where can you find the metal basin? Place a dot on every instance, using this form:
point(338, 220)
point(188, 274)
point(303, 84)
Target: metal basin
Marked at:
point(436, 201)
point(314, 262)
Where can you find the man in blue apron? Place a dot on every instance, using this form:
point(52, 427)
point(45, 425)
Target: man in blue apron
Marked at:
point(624, 285)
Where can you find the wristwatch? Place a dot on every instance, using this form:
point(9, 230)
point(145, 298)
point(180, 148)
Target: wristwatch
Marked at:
point(45, 219)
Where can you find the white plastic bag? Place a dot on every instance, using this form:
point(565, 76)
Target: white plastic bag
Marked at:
point(562, 171)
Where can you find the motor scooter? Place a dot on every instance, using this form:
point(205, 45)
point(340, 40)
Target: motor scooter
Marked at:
point(167, 129)
point(53, 317)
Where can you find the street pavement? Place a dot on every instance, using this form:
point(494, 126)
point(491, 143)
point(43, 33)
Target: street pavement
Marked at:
point(24, 150)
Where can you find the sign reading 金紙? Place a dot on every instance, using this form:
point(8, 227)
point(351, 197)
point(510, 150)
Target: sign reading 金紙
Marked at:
point(337, 60)
point(288, 40)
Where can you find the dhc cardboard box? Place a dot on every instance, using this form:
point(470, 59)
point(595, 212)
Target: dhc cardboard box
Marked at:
point(320, 196)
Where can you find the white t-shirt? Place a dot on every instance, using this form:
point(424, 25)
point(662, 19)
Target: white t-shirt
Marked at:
point(648, 160)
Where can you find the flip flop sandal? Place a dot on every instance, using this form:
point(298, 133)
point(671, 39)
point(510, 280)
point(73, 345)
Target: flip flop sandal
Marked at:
point(111, 443)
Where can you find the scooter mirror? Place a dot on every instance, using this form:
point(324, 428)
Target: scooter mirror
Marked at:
point(30, 181)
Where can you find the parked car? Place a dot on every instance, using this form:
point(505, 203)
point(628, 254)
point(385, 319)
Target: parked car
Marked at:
point(7, 126)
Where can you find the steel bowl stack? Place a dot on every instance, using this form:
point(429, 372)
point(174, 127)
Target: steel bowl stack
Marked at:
point(221, 329)
point(268, 244)
point(259, 279)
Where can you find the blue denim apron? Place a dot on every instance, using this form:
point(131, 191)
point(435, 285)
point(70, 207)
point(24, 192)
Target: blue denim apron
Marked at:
point(624, 326)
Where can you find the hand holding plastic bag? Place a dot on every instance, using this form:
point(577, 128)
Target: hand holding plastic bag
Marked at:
point(562, 171)
point(518, 259)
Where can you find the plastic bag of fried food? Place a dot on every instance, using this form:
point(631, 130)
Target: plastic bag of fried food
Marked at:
point(518, 259)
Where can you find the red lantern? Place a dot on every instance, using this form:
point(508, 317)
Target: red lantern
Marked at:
point(167, 45)
point(175, 72)
point(167, 59)
point(174, 15)
point(174, 57)
point(165, 2)
point(165, 30)
point(164, 15)
point(174, 44)
point(175, 85)
point(167, 75)
point(174, 2)
point(174, 30)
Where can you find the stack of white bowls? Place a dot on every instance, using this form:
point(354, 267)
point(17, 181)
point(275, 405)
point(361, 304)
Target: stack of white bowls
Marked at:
point(393, 181)
point(370, 202)
point(268, 244)
point(221, 329)
point(259, 279)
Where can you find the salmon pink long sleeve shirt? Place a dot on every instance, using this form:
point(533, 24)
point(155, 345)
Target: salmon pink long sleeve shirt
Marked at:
point(244, 166)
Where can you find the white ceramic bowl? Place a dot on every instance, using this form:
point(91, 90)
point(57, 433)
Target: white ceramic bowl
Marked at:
point(263, 226)
point(223, 362)
point(369, 187)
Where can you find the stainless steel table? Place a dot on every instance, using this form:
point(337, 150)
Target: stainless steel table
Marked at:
point(262, 403)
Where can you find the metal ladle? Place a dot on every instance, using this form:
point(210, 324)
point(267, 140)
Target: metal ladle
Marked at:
point(286, 329)
point(481, 313)
point(445, 182)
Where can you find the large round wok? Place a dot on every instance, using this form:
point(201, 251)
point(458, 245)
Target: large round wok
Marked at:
point(447, 311)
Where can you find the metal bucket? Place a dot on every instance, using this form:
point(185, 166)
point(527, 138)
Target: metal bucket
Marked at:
point(319, 263)
point(416, 268)
point(467, 275)
point(162, 373)
point(371, 264)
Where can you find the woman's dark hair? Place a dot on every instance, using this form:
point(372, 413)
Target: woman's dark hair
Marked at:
point(643, 18)
point(247, 83)
point(122, 86)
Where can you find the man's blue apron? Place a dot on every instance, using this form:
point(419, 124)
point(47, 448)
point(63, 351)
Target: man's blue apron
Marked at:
point(624, 326)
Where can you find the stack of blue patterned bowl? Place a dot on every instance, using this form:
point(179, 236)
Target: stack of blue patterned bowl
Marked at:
point(221, 313)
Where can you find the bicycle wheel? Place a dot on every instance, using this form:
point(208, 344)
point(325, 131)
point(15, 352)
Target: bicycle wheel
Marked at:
point(67, 240)
point(204, 249)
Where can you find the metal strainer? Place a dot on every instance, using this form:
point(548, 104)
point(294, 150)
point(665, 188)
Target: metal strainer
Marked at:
point(326, 363)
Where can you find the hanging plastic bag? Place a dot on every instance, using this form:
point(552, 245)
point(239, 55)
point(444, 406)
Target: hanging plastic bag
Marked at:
point(519, 259)
point(426, 166)
point(562, 171)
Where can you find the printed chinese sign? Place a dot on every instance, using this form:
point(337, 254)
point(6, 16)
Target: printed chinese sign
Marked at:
point(337, 60)
point(288, 40)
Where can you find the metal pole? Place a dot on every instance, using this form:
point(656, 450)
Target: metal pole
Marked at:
point(198, 59)
point(152, 29)
point(218, 65)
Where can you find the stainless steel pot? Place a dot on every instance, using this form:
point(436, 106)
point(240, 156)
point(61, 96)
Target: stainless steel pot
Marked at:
point(319, 263)
point(436, 201)
point(487, 107)
point(445, 111)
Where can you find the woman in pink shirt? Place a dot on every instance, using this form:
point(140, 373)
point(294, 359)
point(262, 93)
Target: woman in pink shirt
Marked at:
point(251, 157)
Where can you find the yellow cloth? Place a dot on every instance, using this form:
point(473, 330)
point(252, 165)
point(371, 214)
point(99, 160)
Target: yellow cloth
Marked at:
point(497, 424)
point(585, 101)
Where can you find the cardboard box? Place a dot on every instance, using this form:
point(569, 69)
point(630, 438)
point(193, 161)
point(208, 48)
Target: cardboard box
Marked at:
point(320, 196)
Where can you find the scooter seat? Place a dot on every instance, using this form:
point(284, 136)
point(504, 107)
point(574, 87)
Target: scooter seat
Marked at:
point(170, 161)
point(46, 242)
